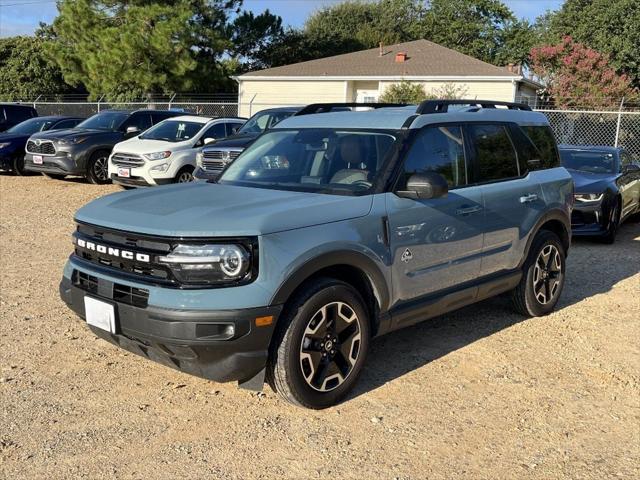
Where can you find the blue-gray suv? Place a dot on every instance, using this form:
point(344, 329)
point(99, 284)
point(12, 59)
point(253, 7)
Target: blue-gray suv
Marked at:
point(327, 231)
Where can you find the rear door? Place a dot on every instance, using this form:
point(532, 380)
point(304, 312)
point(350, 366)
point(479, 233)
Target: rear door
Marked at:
point(512, 198)
point(435, 243)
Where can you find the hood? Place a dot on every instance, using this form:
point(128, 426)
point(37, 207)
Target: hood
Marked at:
point(72, 133)
point(214, 210)
point(592, 182)
point(241, 141)
point(13, 137)
point(140, 146)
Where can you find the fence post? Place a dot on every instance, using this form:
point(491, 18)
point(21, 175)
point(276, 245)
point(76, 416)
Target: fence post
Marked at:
point(619, 121)
point(36, 101)
point(171, 100)
point(99, 100)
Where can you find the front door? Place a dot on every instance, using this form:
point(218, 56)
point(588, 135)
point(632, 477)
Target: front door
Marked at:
point(437, 243)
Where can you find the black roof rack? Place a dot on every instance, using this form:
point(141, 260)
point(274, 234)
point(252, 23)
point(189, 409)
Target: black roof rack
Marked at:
point(328, 107)
point(442, 106)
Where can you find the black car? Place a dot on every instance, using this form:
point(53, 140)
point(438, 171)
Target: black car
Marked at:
point(216, 155)
point(13, 113)
point(607, 188)
point(84, 150)
point(14, 140)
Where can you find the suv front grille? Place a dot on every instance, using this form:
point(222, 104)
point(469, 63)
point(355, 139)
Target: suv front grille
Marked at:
point(127, 160)
point(215, 161)
point(137, 297)
point(46, 147)
point(107, 248)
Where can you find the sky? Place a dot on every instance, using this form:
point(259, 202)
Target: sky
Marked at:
point(21, 17)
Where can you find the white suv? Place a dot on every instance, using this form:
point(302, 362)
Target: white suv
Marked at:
point(166, 153)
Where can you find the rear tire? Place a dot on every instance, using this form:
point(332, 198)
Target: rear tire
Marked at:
point(54, 176)
point(98, 168)
point(543, 276)
point(320, 345)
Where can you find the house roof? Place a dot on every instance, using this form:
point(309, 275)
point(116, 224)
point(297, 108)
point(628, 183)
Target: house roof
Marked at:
point(423, 59)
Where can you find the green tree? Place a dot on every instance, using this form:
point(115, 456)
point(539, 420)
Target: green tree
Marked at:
point(26, 72)
point(608, 26)
point(129, 48)
point(404, 92)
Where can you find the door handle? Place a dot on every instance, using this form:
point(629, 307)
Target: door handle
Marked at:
point(528, 198)
point(468, 210)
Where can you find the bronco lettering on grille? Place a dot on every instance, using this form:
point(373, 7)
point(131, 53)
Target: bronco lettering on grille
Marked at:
point(113, 252)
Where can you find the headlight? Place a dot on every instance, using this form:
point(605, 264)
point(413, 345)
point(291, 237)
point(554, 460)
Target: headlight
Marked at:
point(209, 264)
point(588, 197)
point(71, 141)
point(2, 145)
point(199, 158)
point(157, 155)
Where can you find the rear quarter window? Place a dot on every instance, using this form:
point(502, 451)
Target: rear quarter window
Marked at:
point(495, 156)
point(544, 143)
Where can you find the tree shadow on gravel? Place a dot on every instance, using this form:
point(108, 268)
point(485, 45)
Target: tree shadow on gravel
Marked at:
point(594, 269)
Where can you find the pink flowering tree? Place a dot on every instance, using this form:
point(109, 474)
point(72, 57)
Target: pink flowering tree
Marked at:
point(577, 76)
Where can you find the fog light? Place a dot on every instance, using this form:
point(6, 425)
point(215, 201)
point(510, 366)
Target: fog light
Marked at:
point(163, 167)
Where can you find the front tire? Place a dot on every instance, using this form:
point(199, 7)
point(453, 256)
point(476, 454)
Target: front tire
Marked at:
point(613, 224)
point(320, 345)
point(185, 175)
point(18, 166)
point(543, 276)
point(98, 168)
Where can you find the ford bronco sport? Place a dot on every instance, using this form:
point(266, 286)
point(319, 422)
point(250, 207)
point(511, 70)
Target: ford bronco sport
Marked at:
point(327, 231)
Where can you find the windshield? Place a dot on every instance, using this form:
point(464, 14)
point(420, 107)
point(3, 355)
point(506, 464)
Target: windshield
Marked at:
point(590, 162)
point(104, 121)
point(29, 127)
point(322, 161)
point(173, 131)
point(263, 121)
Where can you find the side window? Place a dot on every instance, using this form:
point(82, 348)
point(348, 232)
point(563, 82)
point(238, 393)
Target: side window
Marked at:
point(157, 117)
point(233, 127)
point(215, 131)
point(440, 150)
point(66, 124)
point(543, 139)
point(625, 159)
point(496, 158)
point(140, 120)
point(18, 113)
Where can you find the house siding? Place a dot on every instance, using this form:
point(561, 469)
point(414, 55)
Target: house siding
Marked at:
point(273, 93)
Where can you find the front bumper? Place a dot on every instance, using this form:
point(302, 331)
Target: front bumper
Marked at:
point(192, 341)
point(588, 220)
point(202, 174)
point(136, 181)
point(62, 163)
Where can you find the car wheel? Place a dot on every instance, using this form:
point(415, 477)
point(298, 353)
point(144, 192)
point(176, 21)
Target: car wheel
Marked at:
point(543, 276)
point(54, 176)
point(185, 175)
point(98, 168)
point(320, 345)
point(613, 224)
point(18, 166)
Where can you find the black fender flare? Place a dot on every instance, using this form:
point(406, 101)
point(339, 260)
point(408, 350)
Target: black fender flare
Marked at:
point(349, 258)
point(557, 215)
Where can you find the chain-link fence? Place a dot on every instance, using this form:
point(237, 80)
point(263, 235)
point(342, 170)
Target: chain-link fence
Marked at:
point(586, 127)
point(86, 109)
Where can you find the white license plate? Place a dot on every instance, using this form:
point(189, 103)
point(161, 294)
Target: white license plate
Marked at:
point(124, 172)
point(100, 314)
point(37, 159)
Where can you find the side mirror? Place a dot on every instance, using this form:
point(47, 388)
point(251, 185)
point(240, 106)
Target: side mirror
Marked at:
point(423, 186)
point(207, 141)
point(631, 168)
point(132, 131)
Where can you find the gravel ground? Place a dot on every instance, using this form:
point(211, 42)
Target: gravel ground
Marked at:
point(480, 393)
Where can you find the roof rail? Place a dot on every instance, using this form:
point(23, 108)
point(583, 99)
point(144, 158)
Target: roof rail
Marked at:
point(327, 107)
point(442, 106)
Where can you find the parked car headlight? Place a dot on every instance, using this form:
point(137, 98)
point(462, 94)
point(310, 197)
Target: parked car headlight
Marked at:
point(588, 197)
point(199, 158)
point(2, 145)
point(157, 155)
point(209, 264)
point(71, 141)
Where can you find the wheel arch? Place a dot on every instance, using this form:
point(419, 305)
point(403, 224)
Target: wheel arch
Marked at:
point(352, 267)
point(555, 221)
